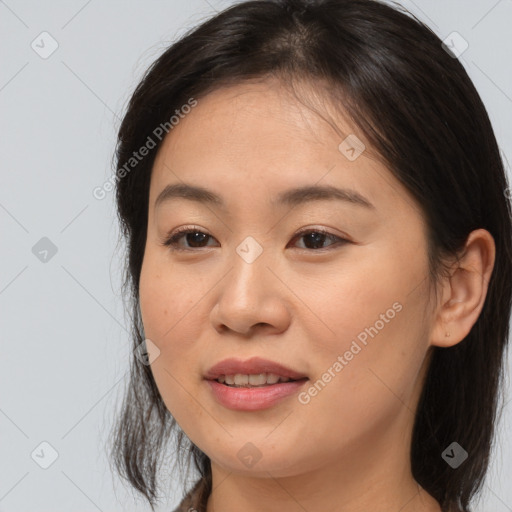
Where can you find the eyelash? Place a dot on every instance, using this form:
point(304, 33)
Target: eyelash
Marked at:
point(172, 240)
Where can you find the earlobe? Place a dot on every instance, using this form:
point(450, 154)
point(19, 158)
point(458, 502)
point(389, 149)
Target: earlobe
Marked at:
point(465, 290)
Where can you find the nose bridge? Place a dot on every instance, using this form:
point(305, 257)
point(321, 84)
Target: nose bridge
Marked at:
point(250, 262)
point(250, 295)
point(249, 250)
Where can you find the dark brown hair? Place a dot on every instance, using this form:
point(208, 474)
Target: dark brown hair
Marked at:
point(416, 105)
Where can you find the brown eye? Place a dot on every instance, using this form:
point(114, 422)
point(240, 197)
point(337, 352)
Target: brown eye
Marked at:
point(193, 237)
point(315, 238)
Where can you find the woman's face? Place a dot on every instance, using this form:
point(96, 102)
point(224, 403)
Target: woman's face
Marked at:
point(347, 310)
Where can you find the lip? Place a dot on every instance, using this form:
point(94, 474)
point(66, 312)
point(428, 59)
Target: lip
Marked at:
point(251, 366)
point(254, 399)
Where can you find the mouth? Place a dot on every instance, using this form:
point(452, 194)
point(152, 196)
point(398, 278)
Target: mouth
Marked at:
point(254, 372)
point(254, 384)
point(259, 380)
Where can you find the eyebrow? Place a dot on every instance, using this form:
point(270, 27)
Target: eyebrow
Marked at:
point(291, 197)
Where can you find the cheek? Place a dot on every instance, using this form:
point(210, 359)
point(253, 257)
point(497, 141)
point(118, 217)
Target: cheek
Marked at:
point(360, 307)
point(376, 326)
point(357, 398)
point(167, 302)
point(170, 317)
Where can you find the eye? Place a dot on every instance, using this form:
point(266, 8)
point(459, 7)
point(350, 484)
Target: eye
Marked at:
point(195, 237)
point(314, 239)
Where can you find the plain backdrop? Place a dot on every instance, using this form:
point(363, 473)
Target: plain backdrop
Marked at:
point(67, 71)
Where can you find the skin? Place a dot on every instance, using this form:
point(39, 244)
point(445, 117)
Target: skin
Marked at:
point(348, 448)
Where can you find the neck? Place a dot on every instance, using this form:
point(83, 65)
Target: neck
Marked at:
point(313, 492)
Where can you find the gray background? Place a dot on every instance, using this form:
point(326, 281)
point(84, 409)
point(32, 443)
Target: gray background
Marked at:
point(64, 341)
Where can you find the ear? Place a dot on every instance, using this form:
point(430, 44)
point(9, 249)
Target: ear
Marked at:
point(464, 291)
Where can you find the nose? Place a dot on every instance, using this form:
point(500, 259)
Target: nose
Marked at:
point(251, 298)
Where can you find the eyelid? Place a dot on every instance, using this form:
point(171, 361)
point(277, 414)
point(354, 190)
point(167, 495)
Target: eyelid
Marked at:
point(175, 234)
point(341, 239)
point(170, 240)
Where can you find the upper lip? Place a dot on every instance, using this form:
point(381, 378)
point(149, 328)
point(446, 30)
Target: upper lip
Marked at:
point(252, 366)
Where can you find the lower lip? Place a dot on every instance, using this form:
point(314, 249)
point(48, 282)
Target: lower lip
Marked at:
point(253, 399)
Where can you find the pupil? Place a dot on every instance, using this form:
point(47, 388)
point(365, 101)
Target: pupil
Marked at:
point(316, 238)
point(198, 238)
point(194, 239)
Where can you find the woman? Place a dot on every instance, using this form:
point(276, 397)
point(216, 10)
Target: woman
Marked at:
point(319, 261)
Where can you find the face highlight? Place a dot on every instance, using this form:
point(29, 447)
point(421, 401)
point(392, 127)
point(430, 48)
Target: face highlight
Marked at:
point(297, 254)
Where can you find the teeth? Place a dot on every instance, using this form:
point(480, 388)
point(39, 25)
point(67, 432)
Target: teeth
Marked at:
point(241, 380)
point(272, 378)
point(256, 380)
point(261, 379)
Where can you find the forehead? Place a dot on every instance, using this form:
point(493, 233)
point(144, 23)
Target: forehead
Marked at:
point(252, 122)
point(299, 110)
point(259, 135)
